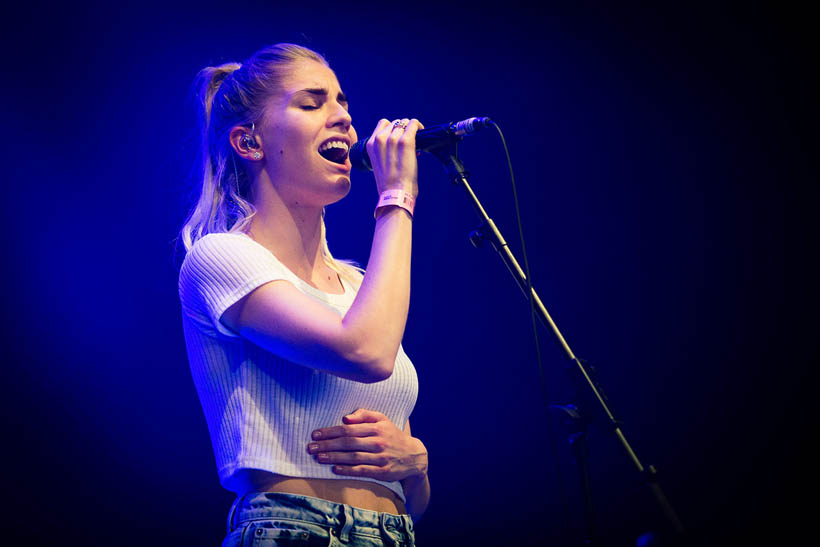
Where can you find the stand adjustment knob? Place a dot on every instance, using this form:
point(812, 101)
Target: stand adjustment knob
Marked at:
point(477, 238)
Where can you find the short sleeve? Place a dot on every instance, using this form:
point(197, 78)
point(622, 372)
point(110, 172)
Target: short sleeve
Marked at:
point(219, 270)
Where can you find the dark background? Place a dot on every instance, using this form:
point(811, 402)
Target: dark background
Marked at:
point(665, 163)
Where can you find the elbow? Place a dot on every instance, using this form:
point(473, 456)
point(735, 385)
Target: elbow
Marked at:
point(377, 370)
point(370, 356)
point(384, 370)
point(372, 366)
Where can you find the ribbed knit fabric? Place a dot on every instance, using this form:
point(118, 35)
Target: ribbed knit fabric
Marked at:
point(262, 408)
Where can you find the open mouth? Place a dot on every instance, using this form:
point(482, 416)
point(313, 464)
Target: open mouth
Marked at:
point(334, 150)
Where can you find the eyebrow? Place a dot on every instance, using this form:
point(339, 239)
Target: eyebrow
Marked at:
point(322, 92)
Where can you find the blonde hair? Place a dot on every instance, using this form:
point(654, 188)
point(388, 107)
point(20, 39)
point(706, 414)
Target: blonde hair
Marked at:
point(234, 94)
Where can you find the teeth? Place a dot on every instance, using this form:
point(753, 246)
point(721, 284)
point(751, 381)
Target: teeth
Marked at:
point(334, 144)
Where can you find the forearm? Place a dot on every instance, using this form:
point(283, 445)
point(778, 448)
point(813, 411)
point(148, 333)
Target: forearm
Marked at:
point(379, 313)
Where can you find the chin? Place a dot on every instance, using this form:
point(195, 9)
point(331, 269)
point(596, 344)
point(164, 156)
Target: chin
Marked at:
point(342, 188)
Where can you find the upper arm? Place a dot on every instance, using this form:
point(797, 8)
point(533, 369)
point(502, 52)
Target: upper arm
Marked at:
point(278, 317)
point(240, 288)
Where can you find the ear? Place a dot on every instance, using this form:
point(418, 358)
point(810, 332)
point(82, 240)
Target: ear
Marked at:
point(243, 143)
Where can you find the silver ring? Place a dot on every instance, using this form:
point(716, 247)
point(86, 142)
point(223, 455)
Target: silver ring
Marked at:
point(400, 123)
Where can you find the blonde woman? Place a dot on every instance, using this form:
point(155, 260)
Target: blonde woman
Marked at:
point(297, 356)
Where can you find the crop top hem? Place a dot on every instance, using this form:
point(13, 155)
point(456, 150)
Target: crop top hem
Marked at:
point(286, 470)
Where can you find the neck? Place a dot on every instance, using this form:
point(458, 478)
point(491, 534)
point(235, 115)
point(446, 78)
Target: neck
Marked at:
point(290, 231)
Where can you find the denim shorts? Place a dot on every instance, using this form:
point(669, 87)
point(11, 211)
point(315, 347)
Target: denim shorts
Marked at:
point(272, 518)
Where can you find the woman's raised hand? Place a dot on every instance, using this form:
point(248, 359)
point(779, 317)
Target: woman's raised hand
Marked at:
point(368, 444)
point(392, 151)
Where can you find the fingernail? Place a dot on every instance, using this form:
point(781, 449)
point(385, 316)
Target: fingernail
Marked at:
point(313, 447)
point(317, 435)
point(322, 456)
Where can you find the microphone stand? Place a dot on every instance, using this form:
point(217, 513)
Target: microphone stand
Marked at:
point(447, 154)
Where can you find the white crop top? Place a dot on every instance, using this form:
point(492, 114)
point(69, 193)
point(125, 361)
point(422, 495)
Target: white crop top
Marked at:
point(262, 408)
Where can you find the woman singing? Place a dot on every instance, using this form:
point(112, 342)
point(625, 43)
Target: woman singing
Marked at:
point(297, 356)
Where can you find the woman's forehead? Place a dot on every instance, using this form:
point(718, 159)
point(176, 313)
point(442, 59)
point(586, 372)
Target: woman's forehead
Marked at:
point(309, 74)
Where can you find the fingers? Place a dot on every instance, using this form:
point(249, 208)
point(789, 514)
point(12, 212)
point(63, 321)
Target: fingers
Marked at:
point(375, 144)
point(348, 444)
point(396, 129)
point(363, 415)
point(392, 151)
point(356, 418)
point(346, 430)
point(400, 125)
point(412, 126)
point(381, 127)
point(363, 439)
point(404, 130)
point(370, 445)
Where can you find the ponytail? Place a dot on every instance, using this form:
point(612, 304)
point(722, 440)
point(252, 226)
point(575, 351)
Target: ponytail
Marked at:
point(223, 204)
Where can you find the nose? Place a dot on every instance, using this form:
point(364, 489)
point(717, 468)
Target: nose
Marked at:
point(340, 117)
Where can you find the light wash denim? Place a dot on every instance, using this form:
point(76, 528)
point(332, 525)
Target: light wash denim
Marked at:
point(270, 519)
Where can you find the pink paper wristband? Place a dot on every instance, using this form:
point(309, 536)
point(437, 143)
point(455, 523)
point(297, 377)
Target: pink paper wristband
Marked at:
point(403, 199)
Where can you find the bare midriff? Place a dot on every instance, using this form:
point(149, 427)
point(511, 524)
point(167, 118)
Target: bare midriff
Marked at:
point(361, 494)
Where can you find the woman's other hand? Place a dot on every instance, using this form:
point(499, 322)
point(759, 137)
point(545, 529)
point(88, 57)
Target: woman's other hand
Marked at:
point(368, 444)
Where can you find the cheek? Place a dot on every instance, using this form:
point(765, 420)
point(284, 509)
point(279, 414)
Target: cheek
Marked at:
point(278, 145)
point(293, 142)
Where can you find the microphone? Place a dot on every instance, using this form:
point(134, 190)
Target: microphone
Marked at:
point(425, 139)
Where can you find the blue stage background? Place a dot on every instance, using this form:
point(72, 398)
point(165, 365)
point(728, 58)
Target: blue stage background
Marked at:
point(667, 187)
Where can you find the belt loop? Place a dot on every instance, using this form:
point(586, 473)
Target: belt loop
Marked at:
point(344, 533)
point(386, 537)
point(408, 528)
point(233, 512)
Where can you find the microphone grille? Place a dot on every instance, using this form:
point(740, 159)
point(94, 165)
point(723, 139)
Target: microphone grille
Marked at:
point(470, 125)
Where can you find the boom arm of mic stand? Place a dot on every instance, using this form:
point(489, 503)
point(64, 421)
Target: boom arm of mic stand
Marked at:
point(447, 154)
